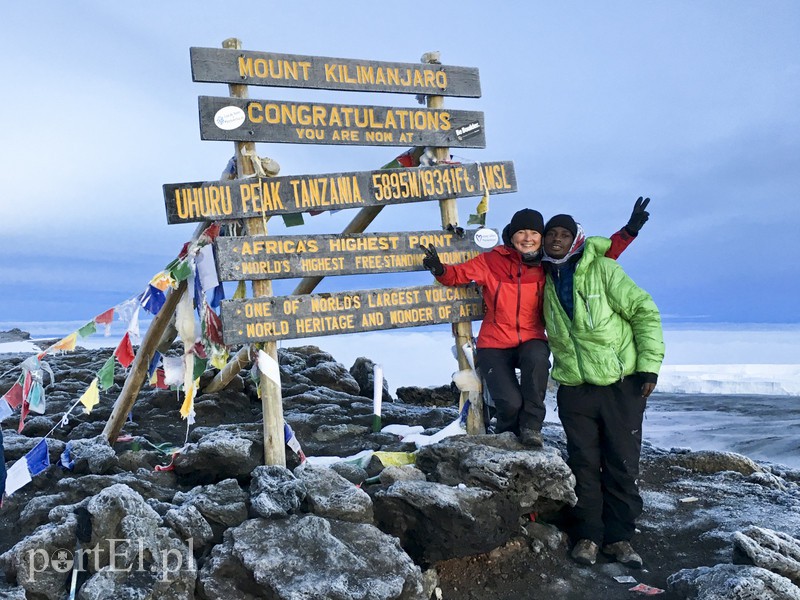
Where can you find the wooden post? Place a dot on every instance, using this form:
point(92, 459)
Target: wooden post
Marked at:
point(462, 331)
point(271, 401)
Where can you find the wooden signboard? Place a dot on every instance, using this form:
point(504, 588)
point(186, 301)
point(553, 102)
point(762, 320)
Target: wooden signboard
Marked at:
point(284, 257)
point(247, 120)
point(214, 65)
point(309, 315)
point(253, 197)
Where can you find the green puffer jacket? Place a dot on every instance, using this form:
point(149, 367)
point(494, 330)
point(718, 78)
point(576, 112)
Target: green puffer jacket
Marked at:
point(616, 326)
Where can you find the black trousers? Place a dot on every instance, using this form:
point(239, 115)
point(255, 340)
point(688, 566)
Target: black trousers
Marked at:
point(604, 441)
point(519, 404)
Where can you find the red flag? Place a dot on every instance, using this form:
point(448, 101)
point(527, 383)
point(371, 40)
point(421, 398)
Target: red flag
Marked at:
point(105, 318)
point(14, 395)
point(22, 414)
point(124, 351)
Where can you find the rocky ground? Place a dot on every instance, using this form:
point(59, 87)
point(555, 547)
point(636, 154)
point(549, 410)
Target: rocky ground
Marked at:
point(476, 517)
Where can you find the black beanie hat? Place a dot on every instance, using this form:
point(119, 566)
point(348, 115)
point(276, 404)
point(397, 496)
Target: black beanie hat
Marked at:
point(526, 218)
point(565, 221)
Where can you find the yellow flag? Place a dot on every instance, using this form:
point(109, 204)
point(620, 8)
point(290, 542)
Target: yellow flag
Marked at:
point(162, 281)
point(91, 397)
point(188, 403)
point(396, 459)
point(66, 344)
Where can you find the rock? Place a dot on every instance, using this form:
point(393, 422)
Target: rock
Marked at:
point(544, 536)
point(189, 524)
point(445, 395)
point(332, 375)
point(219, 455)
point(436, 522)
point(732, 582)
point(222, 503)
point(537, 481)
point(772, 550)
point(363, 371)
point(275, 492)
point(331, 495)
point(353, 473)
point(93, 455)
point(406, 473)
point(312, 558)
point(713, 461)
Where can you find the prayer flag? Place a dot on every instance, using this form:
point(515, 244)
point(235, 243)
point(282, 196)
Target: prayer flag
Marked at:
point(173, 370)
point(5, 409)
point(241, 291)
point(18, 476)
point(188, 404)
point(38, 458)
point(293, 219)
point(154, 362)
point(162, 281)
point(124, 351)
point(181, 271)
point(106, 319)
point(152, 299)
point(105, 375)
point(67, 344)
point(14, 396)
point(35, 398)
point(88, 329)
point(91, 397)
point(206, 268)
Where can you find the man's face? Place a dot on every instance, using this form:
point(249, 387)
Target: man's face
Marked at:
point(557, 242)
point(527, 240)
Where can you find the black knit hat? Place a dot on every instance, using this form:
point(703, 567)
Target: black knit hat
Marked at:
point(526, 218)
point(565, 221)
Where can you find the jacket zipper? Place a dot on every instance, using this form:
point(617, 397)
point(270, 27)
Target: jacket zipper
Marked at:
point(588, 310)
point(519, 298)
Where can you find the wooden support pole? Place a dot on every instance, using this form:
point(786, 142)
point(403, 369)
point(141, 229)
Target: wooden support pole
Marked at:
point(141, 362)
point(271, 400)
point(462, 331)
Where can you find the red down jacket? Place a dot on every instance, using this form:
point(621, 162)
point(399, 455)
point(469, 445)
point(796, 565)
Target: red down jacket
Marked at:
point(513, 292)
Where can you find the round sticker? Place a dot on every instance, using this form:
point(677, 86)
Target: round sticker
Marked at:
point(229, 117)
point(486, 238)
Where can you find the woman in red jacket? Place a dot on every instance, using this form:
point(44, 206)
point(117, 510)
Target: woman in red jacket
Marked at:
point(512, 333)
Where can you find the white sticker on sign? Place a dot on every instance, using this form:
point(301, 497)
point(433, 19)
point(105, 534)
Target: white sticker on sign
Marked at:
point(486, 238)
point(229, 117)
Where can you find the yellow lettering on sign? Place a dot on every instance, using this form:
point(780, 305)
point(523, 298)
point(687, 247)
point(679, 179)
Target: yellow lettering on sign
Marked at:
point(269, 68)
point(372, 319)
point(334, 303)
point(391, 76)
point(322, 264)
point(411, 315)
point(206, 201)
point(264, 330)
point(393, 298)
point(437, 239)
point(325, 324)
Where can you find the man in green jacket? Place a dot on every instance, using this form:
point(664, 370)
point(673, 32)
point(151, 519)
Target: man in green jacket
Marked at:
point(607, 344)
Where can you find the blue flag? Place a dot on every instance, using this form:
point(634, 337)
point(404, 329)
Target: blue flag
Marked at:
point(38, 458)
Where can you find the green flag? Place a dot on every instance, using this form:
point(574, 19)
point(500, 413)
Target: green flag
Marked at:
point(106, 374)
point(87, 329)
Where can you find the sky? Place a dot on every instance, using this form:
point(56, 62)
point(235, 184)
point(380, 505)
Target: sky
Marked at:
point(692, 103)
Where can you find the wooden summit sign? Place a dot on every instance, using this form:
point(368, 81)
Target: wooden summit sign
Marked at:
point(214, 65)
point(284, 257)
point(291, 317)
point(254, 197)
point(246, 120)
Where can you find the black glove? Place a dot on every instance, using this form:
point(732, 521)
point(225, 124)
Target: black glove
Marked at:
point(639, 216)
point(458, 231)
point(431, 260)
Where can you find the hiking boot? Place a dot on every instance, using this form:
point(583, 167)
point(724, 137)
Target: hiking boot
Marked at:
point(584, 552)
point(531, 438)
point(624, 553)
